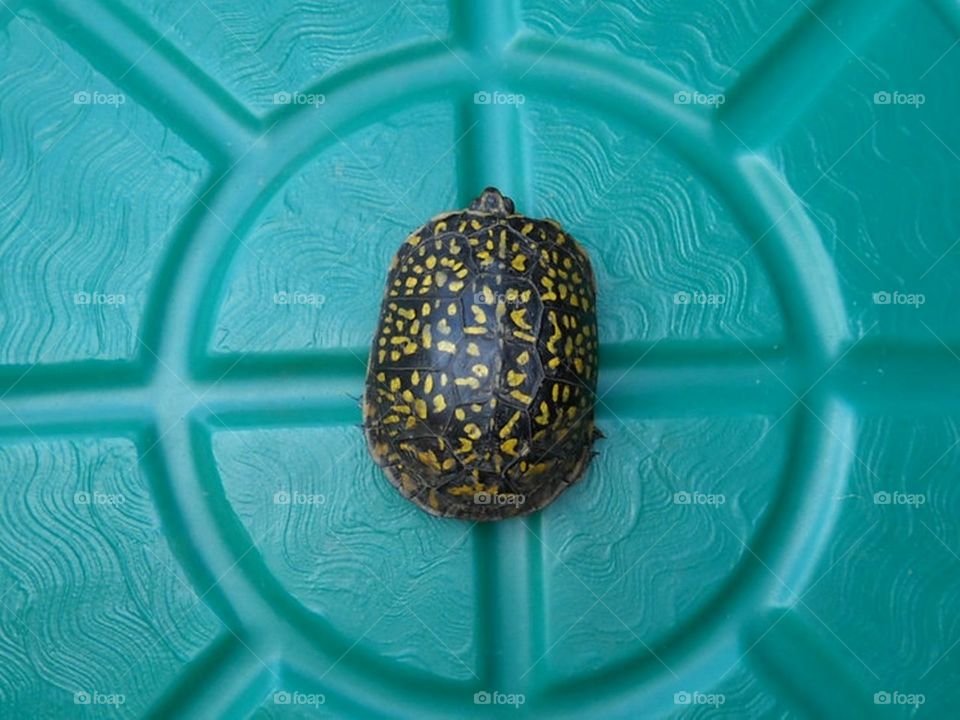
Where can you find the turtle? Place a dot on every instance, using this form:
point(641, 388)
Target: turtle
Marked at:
point(481, 381)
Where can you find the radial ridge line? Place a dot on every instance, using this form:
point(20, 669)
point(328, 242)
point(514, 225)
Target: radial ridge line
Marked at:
point(795, 656)
point(492, 154)
point(76, 411)
point(504, 608)
point(493, 151)
point(949, 10)
point(787, 74)
point(215, 684)
point(161, 78)
point(664, 384)
point(484, 26)
point(200, 275)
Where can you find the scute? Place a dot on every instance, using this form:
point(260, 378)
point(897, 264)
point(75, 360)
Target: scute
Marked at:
point(480, 390)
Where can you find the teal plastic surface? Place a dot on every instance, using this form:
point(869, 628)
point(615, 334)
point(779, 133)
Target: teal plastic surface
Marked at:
point(199, 205)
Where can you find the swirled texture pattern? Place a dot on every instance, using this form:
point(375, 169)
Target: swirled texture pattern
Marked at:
point(598, 560)
point(91, 600)
point(892, 128)
point(676, 264)
point(893, 501)
point(332, 557)
point(261, 48)
point(700, 46)
point(308, 277)
point(199, 205)
point(79, 277)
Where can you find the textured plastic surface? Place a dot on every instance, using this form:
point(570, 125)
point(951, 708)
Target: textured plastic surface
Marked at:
point(200, 202)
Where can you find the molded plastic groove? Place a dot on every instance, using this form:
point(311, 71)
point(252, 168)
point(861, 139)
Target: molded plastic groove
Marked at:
point(174, 459)
point(335, 363)
point(9, 10)
point(156, 74)
point(909, 381)
point(223, 563)
point(776, 226)
point(241, 196)
point(218, 683)
point(687, 390)
point(505, 578)
point(206, 436)
point(608, 81)
point(823, 453)
point(791, 247)
point(82, 375)
point(949, 11)
point(75, 412)
point(809, 482)
point(794, 654)
point(484, 27)
point(880, 377)
point(492, 153)
point(781, 80)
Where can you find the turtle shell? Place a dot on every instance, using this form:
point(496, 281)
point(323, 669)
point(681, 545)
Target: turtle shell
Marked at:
point(479, 397)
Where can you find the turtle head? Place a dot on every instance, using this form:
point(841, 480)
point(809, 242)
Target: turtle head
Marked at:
point(494, 202)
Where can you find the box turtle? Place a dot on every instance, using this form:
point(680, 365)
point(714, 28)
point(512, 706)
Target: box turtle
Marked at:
point(479, 397)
